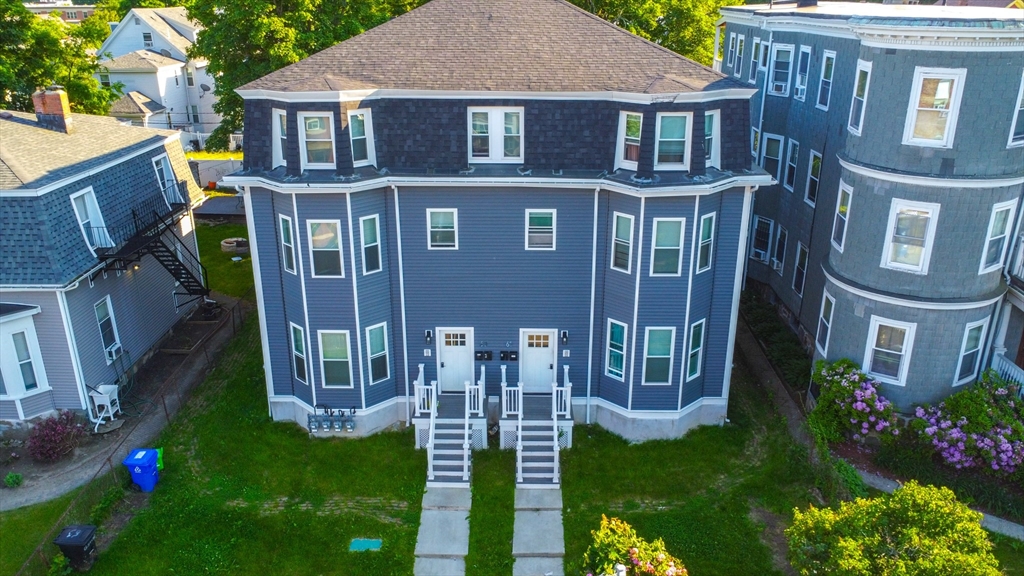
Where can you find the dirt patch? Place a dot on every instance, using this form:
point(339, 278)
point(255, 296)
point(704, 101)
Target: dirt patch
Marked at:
point(381, 509)
point(126, 509)
point(861, 456)
point(773, 537)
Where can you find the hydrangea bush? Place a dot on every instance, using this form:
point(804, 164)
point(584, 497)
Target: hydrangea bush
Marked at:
point(616, 543)
point(979, 427)
point(850, 402)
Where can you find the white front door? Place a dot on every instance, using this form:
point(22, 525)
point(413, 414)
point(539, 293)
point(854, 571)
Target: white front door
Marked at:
point(454, 358)
point(537, 350)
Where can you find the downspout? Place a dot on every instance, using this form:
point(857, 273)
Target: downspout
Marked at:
point(593, 282)
point(401, 292)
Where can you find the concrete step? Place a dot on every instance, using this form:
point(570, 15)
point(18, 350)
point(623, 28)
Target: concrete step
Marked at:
point(447, 499)
point(439, 566)
point(549, 470)
point(538, 500)
point(448, 446)
point(550, 443)
point(542, 482)
point(441, 436)
point(538, 534)
point(536, 565)
point(443, 534)
point(542, 457)
point(548, 448)
point(447, 456)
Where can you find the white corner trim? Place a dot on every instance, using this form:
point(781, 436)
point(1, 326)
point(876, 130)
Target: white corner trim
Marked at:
point(930, 181)
point(76, 362)
point(895, 301)
point(268, 373)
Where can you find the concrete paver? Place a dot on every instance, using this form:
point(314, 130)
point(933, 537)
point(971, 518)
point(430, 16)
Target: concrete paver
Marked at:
point(443, 534)
point(447, 499)
point(537, 566)
point(439, 567)
point(538, 533)
point(531, 499)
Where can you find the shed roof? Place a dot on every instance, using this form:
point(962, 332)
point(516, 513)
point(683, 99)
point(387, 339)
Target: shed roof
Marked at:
point(135, 103)
point(139, 60)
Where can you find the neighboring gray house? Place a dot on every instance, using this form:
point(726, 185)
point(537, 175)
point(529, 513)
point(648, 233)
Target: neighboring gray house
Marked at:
point(93, 214)
point(896, 134)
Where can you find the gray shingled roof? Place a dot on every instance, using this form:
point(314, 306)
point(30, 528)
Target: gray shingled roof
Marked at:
point(140, 60)
point(162, 18)
point(10, 308)
point(497, 45)
point(135, 103)
point(32, 156)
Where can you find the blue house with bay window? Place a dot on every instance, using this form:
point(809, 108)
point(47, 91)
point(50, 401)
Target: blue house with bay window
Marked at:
point(529, 224)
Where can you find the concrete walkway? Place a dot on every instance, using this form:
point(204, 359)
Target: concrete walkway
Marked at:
point(443, 539)
point(538, 543)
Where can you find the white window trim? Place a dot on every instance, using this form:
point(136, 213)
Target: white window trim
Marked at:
point(113, 325)
point(765, 136)
point(800, 92)
point(364, 245)
point(963, 345)
point(699, 350)
point(685, 164)
point(496, 134)
point(908, 345)
point(303, 164)
point(608, 347)
point(654, 236)
point(765, 56)
point(779, 265)
point(730, 58)
point(279, 158)
point(171, 183)
point(554, 228)
point(738, 65)
point(959, 76)
point(1016, 113)
point(9, 362)
point(370, 356)
point(371, 153)
point(807, 183)
point(455, 219)
point(791, 161)
point(755, 60)
point(776, 48)
point(632, 231)
point(823, 350)
point(821, 80)
point(1012, 206)
point(929, 241)
point(766, 257)
point(796, 266)
point(671, 356)
point(99, 215)
point(320, 350)
point(710, 242)
point(291, 344)
point(341, 249)
point(843, 186)
point(716, 140)
point(620, 145)
point(866, 66)
point(290, 247)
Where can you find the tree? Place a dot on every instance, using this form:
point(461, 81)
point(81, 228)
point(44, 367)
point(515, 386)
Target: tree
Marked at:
point(915, 531)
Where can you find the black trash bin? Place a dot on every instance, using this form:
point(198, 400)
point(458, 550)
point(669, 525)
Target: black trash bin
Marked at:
point(78, 543)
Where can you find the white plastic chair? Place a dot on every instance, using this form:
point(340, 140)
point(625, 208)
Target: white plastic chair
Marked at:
point(106, 402)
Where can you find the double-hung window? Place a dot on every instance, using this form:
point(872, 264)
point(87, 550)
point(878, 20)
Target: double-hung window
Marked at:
point(1017, 124)
point(540, 229)
point(713, 139)
point(887, 353)
point(279, 129)
point(377, 344)
point(761, 243)
point(90, 220)
point(800, 269)
point(666, 255)
point(779, 254)
point(443, 229)
point(803, 68)
point(860, 97)
point(299, 353)
point(696, 350)
point(730, 59)
point(828, 303)
point(622, 242)
point(934, 106)
point(792, 157)
point(755, 143)
point(496, 135)
point(659, 344)
point(673, 141)
point(765, 53)
point(771, 160)
point(738, 70)
point(630, 127)
point(615, 365)
point(996, 240)
point(147, 39)
point(782, 68)
point(287, 243)
point(108, 329)
point(842, 216)
point(335, 361)
point(23, 357)
point(706, 242)
point(360, 133)
point(316, 140)
point(828, 63)
point(755, 57)
point(105, 80)
point(911, 230)
point(813, 178)
point(970, 352)
point(325, 248)
point(369, 227)
point(190, 78)
point(165, 178)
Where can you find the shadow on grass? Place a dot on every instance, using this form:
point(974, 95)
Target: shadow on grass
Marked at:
point(492, 515)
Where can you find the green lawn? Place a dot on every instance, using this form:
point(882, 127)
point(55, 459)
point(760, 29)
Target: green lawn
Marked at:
point(22, 529)
point(224, 275)
point(492, 515)
point(1010, 554)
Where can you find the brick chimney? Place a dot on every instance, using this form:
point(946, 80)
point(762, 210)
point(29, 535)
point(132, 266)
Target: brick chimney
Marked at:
point(52, 109)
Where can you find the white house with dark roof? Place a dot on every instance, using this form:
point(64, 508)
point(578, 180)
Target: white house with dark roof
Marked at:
point(98, 257)
point(148, 53)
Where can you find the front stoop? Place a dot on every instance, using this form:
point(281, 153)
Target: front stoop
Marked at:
point(443, 539)
point(538, 542)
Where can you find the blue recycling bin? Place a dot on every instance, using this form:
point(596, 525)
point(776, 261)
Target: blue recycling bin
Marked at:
point(141, 464)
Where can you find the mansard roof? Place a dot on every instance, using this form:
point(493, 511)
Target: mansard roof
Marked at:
point(499, 46)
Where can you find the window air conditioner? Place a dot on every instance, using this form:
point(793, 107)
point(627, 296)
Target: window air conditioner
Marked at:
point(113, 352)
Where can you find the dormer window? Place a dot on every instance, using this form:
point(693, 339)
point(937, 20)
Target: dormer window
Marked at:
point(627, 153)
point(360, 131)
point(316, 140)
point(712, 139)
point(673, 136)
point(280, 134)
point(496, 135)
point(90, 220)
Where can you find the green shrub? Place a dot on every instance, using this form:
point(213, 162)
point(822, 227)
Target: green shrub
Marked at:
point(617, 543)
point(917, 530)
point(12, 480)
point(102, 509)
point(59, 566)
point(849, 402)
point(850, 478)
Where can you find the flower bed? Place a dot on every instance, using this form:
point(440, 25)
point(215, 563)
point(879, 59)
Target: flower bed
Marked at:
point(849, 403)
point(618, 550)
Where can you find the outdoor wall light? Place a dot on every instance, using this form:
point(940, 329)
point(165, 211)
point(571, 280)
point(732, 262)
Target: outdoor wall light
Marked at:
point(136, 266)
point(565, 337)
point(429, 336)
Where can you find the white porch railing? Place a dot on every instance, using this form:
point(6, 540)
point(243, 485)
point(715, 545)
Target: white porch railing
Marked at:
point(1009, 371)
point(511, 398)
point(432, 408)
point(563, 396)
point(423, 394)
point(475, 396)
point(519, 440)
point(467, 432)
point(554, 429)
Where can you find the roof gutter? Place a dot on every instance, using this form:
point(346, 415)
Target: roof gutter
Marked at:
point(394, 93)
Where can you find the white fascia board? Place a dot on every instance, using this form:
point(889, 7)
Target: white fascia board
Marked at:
point(930, 181)
point(390, 93)
point(940, 38)
point(590, 184)
point(19, 315)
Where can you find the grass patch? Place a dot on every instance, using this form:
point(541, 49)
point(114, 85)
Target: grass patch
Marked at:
point(782, 345)
point(223, 274)
point(492, 515)
point(1010, 554)
point(696, 492)
point(241, 494)
point(207, 155)
point(21, 530)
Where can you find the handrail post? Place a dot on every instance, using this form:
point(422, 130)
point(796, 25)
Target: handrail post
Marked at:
point(466, 432)
point(519, 448)
point(430, 433)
